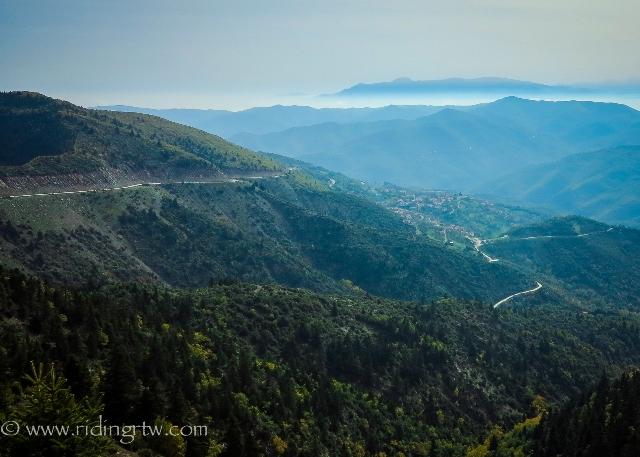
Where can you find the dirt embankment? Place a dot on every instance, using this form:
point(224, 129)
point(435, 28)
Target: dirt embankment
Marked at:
point(110, 178)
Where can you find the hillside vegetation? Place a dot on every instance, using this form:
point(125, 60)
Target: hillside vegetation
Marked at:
point(602, 185)
point(279, 371)
point(288, 230)
point(603, 420)
point(589, 258)
point(49, 143)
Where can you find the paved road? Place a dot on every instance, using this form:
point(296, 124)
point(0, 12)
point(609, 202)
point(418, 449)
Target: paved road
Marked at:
point(477, 243)
point(110, 189)
point(540, 237)
point(524, 292)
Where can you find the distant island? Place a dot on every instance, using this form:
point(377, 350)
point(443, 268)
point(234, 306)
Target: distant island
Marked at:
point(493, 85)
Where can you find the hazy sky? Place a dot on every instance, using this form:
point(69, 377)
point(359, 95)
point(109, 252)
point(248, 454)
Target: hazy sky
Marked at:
point(223, 53)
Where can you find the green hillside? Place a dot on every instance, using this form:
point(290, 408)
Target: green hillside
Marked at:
point(603, 420)
point(588, 258)
point(570, 226)
point(290, 230)
point(265, 367)
point(46, 143)
point(602, 184)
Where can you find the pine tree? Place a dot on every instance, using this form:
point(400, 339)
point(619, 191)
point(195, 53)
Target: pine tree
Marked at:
point(47, 401)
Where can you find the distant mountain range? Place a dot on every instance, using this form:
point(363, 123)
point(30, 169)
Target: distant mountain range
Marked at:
point(459, 148)
point(276, 118)
point(603, 184)
point(471, 148)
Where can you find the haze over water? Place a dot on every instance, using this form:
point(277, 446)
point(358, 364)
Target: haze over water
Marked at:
point(241, 101)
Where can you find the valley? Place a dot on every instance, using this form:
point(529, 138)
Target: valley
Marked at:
point(319, 229)
point(379, 317)
point(457, 148)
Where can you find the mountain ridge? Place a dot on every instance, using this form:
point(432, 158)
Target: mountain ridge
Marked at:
point(288, 229)
point(262, 120)
point(48, 142)
point(488, 140)
point(600, 184)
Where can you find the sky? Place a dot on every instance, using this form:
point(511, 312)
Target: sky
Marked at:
point(233, 54)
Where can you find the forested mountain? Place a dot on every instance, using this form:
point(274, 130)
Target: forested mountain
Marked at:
point(263, 297)
point(589, 258)
point(602, 184)
point(49, 144)
point(286, 228)
point(276, 118)
point(458, 148)
point(602, 421)
point(280, 371)
point(280, 229)
point(580, 260)
point(291, 229)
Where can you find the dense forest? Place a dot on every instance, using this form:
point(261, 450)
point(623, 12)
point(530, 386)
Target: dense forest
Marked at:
point(277, 371)
point(602, 421)
point(291, 310)
point(591, 260)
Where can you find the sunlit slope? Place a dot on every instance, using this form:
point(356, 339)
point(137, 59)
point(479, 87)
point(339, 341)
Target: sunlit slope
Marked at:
point(48, 144)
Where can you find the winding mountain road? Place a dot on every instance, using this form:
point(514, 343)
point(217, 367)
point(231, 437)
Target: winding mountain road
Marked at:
point(477, 243)
point(540, 237)
point(524, 292)
point(111, 189)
